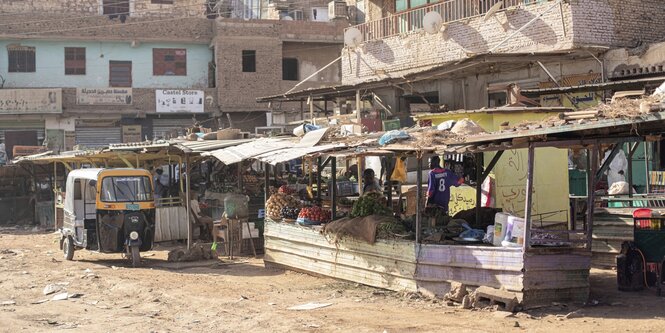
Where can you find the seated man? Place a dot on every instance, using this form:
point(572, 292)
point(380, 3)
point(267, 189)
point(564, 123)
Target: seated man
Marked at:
point(205, 222)
point(370, 182)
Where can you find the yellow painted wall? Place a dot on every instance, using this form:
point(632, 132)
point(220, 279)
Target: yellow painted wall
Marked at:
point(551, 170)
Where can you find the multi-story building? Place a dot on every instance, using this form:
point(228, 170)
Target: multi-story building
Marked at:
point(93, 72)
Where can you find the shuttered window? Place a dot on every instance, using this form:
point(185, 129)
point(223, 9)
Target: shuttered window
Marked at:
point(74, 60)
point(169, 62)
point(21, 60)
point(120, 73)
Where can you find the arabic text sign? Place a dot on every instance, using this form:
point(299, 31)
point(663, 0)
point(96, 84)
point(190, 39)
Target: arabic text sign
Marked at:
point(178, 101)
point(104, 96)
point(18, 101)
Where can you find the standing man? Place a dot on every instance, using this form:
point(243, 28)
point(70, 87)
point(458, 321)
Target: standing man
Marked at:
point(439, 182)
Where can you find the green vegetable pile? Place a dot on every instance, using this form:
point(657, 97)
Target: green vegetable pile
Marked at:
point(370, 204)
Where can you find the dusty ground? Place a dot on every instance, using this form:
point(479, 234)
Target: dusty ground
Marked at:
point(242, 296)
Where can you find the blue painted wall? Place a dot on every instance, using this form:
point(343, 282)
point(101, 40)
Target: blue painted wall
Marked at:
point(50, 63)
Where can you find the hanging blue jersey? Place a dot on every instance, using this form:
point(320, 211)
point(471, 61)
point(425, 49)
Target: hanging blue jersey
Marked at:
point(438, 186)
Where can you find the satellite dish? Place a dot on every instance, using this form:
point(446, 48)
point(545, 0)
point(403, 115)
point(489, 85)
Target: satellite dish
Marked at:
point(493, 10)
point(353, 37)
point(432, 22)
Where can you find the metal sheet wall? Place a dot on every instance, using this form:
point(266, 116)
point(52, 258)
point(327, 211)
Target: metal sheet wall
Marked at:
point(93, 137)
point(162, 128)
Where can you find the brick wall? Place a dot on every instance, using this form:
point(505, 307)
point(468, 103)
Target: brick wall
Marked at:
point(100, 27)
point(418, 51)
point(618, 23)
point(189, 29)
point(138, 8)
point(314, 44)
point(585, 23)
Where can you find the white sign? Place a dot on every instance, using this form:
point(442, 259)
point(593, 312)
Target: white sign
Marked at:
point(18, 101)
point(104, 96)
point(177, 101)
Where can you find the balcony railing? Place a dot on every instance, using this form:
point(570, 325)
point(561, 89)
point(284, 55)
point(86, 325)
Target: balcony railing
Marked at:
point(450, 10)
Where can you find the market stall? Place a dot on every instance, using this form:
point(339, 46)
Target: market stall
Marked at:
point(536, 263)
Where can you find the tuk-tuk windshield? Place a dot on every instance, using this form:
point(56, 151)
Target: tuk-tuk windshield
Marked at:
point(126, 189)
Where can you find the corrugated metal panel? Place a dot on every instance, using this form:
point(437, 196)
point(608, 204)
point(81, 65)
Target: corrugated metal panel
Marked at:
point(93, 137)
point(170, 223)
point(163, 128)
point(245, 151)
point(208, 145)
point(284, 155)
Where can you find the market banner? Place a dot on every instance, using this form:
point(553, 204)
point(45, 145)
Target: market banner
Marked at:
point(179, 101)
point(21, 101)
point(104, 96)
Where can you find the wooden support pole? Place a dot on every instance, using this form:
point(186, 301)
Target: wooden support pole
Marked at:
point(528, 203)
point(419, 198)
point(188, 202)
point(479, 185)
point(266, 185)
point(631, 151)
point(318, 178)
point(333, 190)
point(591, 196)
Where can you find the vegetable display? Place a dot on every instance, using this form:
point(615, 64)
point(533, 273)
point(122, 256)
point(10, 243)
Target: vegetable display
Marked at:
point(278, 201)
point(286, 190)
point(290, 213)
point(314, 215)
point(370, 204)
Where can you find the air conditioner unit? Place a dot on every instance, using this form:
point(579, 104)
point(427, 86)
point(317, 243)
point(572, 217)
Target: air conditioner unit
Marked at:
point(337, 9)
point(297, 15)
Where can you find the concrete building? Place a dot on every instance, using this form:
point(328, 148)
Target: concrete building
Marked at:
point(94, 72)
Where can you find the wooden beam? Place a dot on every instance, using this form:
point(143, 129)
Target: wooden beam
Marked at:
point(122, 158)
point(491, 165)
point(188, 202)
point(608, 160)
point(479, 184)
point(333, 190)
point(631, 152)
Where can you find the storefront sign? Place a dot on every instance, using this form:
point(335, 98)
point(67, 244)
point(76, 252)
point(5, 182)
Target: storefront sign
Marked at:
point(131, 133)
point(104, 96)
point(179, 101)
point(461, 198)
point(21, 101)
point(581, 99)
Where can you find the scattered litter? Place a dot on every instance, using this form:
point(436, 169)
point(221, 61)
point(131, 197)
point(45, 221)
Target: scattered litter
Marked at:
point(40, 301)
point(310, 306)
point(244, 297)
point(517, 324)
point(114, 268)
point(8, 303)
point(271, 303)
point(24, 272)
point(574, 314)
point(126, 306)
point(503, 314)
point(75, 295)
point(87, 270)
point(54, 260)
point(59, 297)
point(92, 302)
point(312, 326)
point(51, 288)
point(148, 255)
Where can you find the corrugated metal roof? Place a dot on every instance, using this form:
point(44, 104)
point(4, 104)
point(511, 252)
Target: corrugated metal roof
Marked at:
point(209, 145)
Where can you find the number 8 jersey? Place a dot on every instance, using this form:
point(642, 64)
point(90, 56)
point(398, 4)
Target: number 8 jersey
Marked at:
point(438, 186)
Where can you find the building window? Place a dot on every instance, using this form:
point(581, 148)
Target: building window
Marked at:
point(115, 7)
point(74, 60)
point(290, 69)
point(402, 5)
point(162, 2)
point(21, 59)
point(120, 73)
point(169, 62)
point(248, 60)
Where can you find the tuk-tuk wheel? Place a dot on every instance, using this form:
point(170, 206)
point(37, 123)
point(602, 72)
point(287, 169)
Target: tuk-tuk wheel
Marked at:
point(68, 248)
point(136, 256)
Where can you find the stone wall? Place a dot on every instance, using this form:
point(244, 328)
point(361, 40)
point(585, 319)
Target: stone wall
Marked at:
point(138, 8)
point(190, 30)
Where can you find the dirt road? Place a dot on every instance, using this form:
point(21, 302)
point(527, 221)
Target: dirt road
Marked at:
point(243, 296)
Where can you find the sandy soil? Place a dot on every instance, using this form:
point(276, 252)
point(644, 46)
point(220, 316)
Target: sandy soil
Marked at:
point(243, 296)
